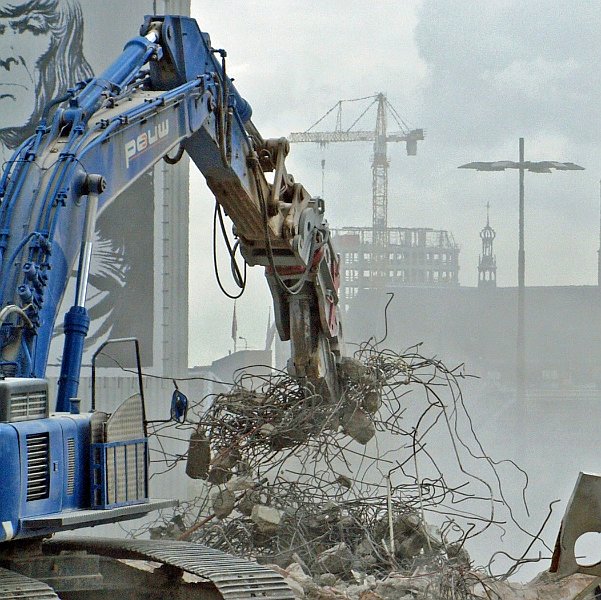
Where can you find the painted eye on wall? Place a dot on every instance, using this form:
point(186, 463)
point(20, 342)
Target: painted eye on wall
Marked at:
point(33, 24)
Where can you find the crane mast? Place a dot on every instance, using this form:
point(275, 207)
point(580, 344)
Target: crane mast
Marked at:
point(380, 178)
point(380, 136)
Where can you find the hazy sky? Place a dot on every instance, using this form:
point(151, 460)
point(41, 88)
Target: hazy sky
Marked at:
point(476, 80)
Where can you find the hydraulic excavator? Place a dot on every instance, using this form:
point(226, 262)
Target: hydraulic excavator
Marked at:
point(61, 468)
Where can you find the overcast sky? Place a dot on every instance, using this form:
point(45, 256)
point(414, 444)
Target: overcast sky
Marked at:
point(476, 80)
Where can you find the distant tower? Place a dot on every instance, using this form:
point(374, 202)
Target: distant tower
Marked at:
point(487, 265)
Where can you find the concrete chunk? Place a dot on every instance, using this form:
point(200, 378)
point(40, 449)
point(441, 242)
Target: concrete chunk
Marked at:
point(199, 455)
point(357, 424)
point(337, 559)
point(266, 518)
point(223, 503)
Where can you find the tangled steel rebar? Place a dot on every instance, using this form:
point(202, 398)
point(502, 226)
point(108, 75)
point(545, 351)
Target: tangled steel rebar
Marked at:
point(389, 478)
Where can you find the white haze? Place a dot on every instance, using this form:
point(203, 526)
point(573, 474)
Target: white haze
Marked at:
point(476, 80)
point(476, 76)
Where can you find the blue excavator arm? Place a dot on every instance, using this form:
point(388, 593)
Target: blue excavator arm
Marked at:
point(168, 93)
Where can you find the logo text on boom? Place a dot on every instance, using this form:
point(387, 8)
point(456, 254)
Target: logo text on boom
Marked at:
point(145, 140)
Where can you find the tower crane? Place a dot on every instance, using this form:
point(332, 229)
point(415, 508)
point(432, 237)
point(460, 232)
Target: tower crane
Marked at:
point(380, 136)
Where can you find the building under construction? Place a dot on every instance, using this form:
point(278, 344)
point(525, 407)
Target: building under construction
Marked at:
point(380, 256)
point(409, 256)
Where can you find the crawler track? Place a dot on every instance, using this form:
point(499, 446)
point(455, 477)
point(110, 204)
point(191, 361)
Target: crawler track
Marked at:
point(14, 586)
point(234, 578)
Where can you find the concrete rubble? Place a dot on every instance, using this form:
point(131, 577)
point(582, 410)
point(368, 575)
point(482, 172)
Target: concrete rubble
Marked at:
point(301, 484)
point(357, 424)
point(432, 584)
point(223, 502)
point(337, 559)
point(266, 519)
point(363, 563)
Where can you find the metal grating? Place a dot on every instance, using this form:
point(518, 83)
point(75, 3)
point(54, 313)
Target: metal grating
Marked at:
point(25, 406)
point(125, 467)
point(38, 466)
point(119, 473)
point(119, 456)
point(70, 466)
point(127, 422)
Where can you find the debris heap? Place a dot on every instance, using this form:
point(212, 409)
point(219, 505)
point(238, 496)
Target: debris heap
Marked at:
point(348, 497)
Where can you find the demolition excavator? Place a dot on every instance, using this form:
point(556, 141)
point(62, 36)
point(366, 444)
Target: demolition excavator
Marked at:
point(62, 468)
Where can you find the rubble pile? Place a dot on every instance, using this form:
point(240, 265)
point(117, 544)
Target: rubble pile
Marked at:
point(343, 496)
point(339, 550)
point(437, 582)
point(339, 538)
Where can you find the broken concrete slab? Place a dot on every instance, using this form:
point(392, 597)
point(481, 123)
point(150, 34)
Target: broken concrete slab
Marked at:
point(199, 455)
point(337, 559)
point(222, 464)
point(266, 518)
point(357, 424)
point(222, 503)
point(240, 484)
point(372, 401)
point(247, 502)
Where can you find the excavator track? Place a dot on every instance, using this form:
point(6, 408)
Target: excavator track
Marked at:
point(234, 578)
point(14, 586)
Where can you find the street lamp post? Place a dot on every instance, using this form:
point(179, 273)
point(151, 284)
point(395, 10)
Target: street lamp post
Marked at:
point(599, 251)
point(523, 165)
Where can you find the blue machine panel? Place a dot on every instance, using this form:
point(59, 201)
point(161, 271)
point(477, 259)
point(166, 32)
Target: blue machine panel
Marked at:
point(76, 450)
point(11, 482)
point(42, 466)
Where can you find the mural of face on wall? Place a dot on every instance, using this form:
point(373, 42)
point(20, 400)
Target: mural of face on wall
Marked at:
point(24, 44)
point(41, 56)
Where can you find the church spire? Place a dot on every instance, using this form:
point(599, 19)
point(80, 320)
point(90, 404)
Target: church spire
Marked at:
point(487, 264)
